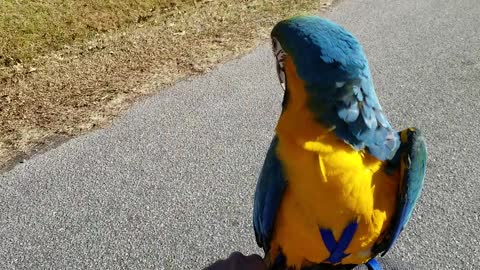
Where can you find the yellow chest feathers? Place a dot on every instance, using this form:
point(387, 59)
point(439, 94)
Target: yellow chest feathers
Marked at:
point(330, 185)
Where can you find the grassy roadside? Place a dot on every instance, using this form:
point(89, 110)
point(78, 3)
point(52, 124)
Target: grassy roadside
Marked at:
point(69, 66)
point(32, 28)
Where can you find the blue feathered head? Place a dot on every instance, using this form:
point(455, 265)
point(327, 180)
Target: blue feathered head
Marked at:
point(323, 52)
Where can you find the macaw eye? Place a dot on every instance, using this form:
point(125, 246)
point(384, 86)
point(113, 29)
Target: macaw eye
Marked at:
point(280, 59)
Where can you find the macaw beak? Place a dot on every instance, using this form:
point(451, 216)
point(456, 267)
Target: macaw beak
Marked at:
point(280, 54)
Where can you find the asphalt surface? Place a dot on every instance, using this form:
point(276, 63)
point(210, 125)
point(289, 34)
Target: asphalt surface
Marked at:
point(169, 185)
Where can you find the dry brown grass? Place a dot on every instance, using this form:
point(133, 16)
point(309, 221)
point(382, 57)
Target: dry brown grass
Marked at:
point(67, 91)
point(32, 28)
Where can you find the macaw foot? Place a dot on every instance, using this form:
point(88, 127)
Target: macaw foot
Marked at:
point(373, 264)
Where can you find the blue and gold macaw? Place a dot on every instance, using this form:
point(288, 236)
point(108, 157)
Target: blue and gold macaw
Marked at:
point(338, 184)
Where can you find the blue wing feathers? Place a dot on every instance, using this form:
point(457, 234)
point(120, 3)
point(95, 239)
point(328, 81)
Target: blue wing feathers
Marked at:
point(270, 187)
point(369, 117)
point(414, 165)
point(357, 91)
point(350, 113)
point(382, 120)
point(410, 159)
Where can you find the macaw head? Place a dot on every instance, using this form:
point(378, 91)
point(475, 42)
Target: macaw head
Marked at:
point(324, 54)
point(323, 66)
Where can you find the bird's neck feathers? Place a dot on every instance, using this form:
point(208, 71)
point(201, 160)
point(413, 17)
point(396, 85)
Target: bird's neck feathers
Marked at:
point(297, 123)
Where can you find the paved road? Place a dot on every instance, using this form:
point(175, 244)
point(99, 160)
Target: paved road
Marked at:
point(170, 184)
